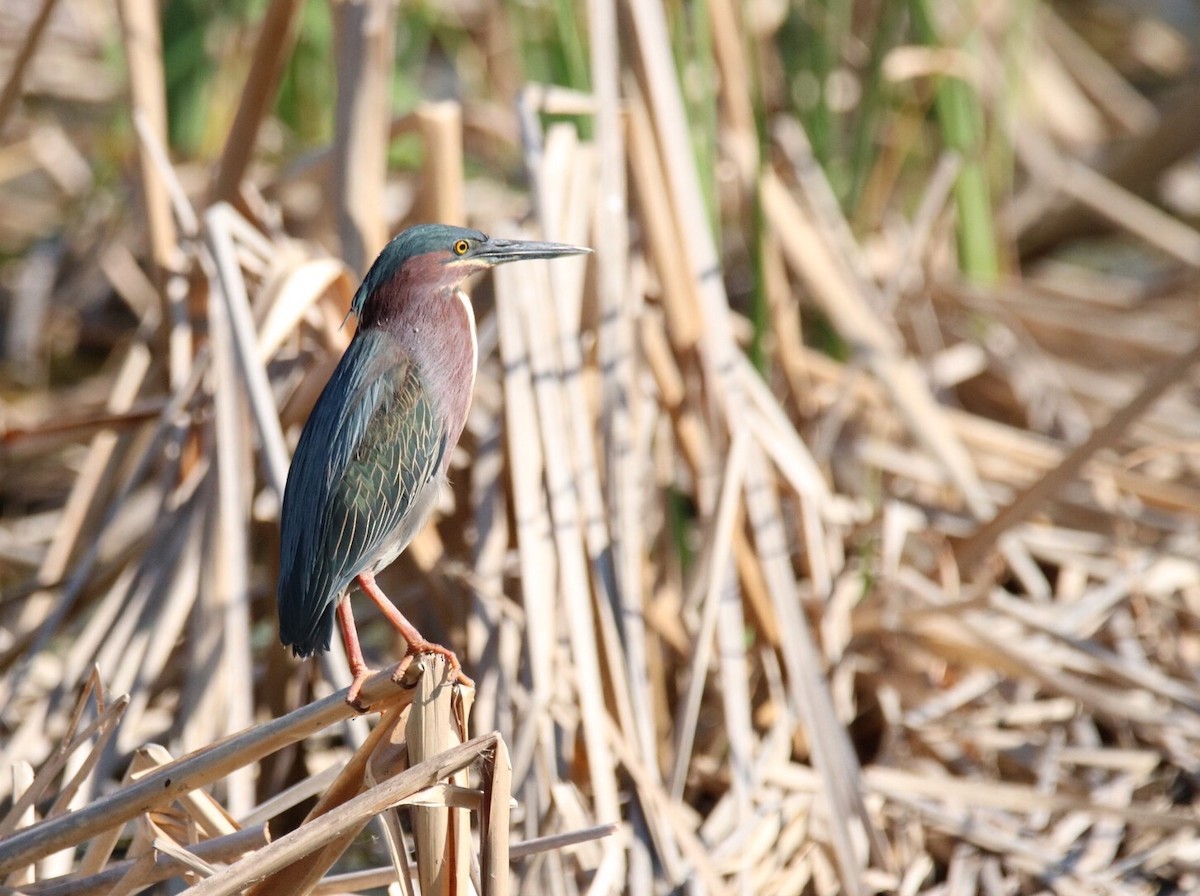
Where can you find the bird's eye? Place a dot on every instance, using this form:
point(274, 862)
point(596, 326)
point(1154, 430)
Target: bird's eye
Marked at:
point(461, 247)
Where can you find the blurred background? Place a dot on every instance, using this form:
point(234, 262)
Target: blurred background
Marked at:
point(833, 529)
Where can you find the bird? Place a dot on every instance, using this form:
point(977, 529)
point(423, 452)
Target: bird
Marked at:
point(374, 452)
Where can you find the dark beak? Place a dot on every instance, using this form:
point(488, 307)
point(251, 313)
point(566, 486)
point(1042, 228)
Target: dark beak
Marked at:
point(497, 251)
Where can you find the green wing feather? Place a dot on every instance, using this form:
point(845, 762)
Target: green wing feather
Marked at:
point(368, 455)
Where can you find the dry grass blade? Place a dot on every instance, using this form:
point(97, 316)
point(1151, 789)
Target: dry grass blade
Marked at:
point(719, 553)
point(1045, 488)
point(294, 295)
point(245, 342)
point(852, 827)
point(1122, 208)
point(228, 564)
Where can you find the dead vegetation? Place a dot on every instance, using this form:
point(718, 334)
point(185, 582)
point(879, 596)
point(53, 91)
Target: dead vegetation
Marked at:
point(833, 555)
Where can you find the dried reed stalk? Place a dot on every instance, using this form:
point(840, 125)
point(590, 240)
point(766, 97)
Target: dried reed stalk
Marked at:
point(437, 722)
point(276, 37)
point(440, 125)
point(12, 84)
point(143, 57)
point(190, 772)
point(365, 36)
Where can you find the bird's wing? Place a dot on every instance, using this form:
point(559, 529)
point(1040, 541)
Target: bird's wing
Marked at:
point(371, 446)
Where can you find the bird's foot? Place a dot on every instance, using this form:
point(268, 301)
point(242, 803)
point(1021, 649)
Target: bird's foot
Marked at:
point(416, 642)
point(415, 648)
point(352, 696)
point(407, 674)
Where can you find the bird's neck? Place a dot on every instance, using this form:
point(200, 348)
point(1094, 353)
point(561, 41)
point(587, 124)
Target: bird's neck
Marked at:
point(432, 322)
point(438, 333)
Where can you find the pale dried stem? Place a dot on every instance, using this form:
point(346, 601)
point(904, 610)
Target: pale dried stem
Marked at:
point(20, 62)
point(276, 38)
point(365, 36)
point(442, 192)
point(142, 41)
point(338, 822)
point(437, 723)
point(192, 771)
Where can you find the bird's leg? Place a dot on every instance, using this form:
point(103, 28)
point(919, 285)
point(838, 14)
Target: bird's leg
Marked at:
point(415, 640)
point(358, 666)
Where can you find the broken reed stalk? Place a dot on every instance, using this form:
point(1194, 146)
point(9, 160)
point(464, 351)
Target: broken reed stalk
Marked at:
point(423, 725)
point(189, 772)
point(442, 189)
point(437, 721)
point(350, 816)
point(303, 874)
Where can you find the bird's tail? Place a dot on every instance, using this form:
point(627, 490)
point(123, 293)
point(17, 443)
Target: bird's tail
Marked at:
point(308, 636)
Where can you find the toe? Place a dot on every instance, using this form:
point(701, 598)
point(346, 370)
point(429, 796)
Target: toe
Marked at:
point(354, 697)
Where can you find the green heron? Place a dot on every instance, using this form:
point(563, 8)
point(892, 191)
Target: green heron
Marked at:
point(375, 450)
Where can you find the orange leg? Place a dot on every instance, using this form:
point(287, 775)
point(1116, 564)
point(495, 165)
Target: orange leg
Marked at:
point(358, 666)
point(416, 641)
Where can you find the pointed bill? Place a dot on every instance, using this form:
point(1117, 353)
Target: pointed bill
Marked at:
point(499, 251)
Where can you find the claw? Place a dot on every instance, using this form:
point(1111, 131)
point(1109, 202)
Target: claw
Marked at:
point(407, 673)
point(353, 694)
point(416, 648)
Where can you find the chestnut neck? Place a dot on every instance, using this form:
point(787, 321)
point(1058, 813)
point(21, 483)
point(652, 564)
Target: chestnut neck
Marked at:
point(432, 323)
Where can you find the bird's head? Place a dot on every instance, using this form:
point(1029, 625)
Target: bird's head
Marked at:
point(430, 259)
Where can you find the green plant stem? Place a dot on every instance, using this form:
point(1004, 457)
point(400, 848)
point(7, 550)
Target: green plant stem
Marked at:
point(960, 115)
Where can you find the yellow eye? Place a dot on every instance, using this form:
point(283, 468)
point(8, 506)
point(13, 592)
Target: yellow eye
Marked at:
point(461, 247)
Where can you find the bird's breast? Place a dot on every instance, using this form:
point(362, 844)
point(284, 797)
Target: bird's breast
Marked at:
point(443, 343)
